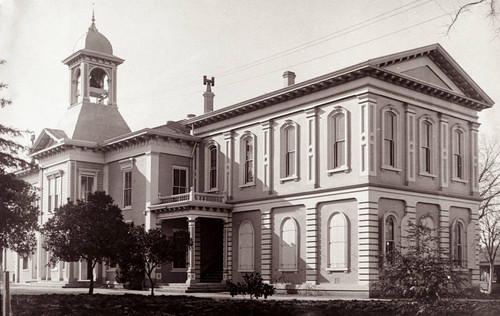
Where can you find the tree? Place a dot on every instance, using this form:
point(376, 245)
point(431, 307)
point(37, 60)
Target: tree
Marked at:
point(18, 213)
point(491, 12)
point(252, 285)
point(90, 230)
point(150, 249)
point(489, 175)
point(419, 271)
point(489, 237)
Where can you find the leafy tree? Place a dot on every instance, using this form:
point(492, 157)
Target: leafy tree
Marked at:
point(18, 214)
point(89, 230)
point(419, 271)
point(252, 285)
point(147, 250)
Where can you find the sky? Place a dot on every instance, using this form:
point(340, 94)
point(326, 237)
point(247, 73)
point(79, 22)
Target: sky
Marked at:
point(169, 45)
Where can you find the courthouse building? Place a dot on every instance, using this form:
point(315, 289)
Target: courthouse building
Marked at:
point(306, 185)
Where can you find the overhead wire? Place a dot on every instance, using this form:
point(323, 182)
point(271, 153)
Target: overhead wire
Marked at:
point(328, 37)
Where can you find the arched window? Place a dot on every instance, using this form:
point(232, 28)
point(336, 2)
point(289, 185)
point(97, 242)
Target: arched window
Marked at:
point(338, 242)
point(98, 82)
point(390, 138)
point(459, 244)
point(426, 147)
point(246, 248)
point(338, 142)
point(211, 166)
point(247, 158)
point(428, 239)
point(458, 154)
point(289, 248)
point(390, 234)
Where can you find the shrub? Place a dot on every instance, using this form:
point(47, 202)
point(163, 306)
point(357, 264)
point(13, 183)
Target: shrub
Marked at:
point(419, 271)
point(252, 285)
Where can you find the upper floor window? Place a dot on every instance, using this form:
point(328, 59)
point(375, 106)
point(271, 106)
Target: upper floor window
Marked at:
point(86, 186)
point(211, 165)
point(289, 248)
point(246, 248)
point(180, 180)
point(390, 139)
point(127, 165)
point(338, 142)
point(127, 188)
point(247, 158)
point(54, 189)
point(459, 243)
point(458, 136)
point(338, 239)
point(289, 150)
point(426, 146)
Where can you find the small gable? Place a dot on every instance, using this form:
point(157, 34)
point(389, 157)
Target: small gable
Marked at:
point(426, 74)
point(47, 138)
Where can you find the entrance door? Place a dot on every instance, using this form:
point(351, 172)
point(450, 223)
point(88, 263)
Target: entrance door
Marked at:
point(211, 261)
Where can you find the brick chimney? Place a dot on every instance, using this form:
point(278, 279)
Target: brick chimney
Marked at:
point(289, 77)
point(208, 95)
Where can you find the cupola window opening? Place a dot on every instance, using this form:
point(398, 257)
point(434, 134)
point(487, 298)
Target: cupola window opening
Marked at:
point(98, 82)
point(76, 86)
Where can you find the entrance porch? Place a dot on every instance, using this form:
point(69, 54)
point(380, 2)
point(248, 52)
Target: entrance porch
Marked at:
point(207, 264)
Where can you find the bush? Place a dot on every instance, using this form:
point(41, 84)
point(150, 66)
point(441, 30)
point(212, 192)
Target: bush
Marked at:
point(420, 271)
point(252, 285)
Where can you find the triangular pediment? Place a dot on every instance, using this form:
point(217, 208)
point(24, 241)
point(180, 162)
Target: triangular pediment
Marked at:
point(433, 66)
point(48, 138)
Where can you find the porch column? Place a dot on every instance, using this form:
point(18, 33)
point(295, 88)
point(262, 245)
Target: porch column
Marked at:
point(228, 250)
point(191, 274)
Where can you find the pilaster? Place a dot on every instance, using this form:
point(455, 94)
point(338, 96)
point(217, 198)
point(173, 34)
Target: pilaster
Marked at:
point(444, 175)
point(266, 245)
point(444, 230)
point(368, 123)
point(474, 145)
point(152, 177)
point(311, 245)
point(267, 168)
point(311, 147)
point(228, 250)
point(410, 144)
point(368, 242)
point(228, 163)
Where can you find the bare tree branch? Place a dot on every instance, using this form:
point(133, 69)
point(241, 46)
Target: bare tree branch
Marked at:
point(492, 12)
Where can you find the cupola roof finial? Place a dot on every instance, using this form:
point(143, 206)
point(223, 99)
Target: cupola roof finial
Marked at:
point(92, 26)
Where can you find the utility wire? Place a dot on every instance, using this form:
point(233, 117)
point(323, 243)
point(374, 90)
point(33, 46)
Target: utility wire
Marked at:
point(295, 49)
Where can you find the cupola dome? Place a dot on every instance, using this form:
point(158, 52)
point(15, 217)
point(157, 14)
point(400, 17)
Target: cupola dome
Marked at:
point(94, 41)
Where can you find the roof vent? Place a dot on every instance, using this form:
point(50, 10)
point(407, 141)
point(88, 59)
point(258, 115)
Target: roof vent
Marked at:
point(289, 77)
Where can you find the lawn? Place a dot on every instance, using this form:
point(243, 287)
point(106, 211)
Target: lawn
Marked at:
point(83, 304)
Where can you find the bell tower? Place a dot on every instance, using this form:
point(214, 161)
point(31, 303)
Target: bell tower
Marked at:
point(93, 114)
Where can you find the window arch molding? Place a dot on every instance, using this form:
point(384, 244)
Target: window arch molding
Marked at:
point(212, 150)
point(248, 159)
point(391, 123)
point(391, 241)
point(246, 247)
point(427, 146)
point(338, 240)
point(338, 140)
point(458, 153)
point(459, 243)
point(289, 148)
point(289, 245)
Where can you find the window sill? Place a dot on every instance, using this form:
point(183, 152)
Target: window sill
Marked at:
point(428, 175)
point(292, 178)
point(212, 191)
point(111, 270)
point(345, 270)
point(288, 270)
point(127, 208)
point(389, 168)
point(339, 169)
point(246, 185)
point(178, 270)
point(246, 270)
point(459, 180)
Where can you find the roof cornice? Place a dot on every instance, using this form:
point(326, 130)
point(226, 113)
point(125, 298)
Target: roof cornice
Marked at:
point(92, 55)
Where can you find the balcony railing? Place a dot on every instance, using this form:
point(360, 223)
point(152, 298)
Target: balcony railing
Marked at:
point(193, 196)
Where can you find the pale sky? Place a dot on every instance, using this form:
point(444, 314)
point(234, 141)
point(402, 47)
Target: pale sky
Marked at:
point(246, 45)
